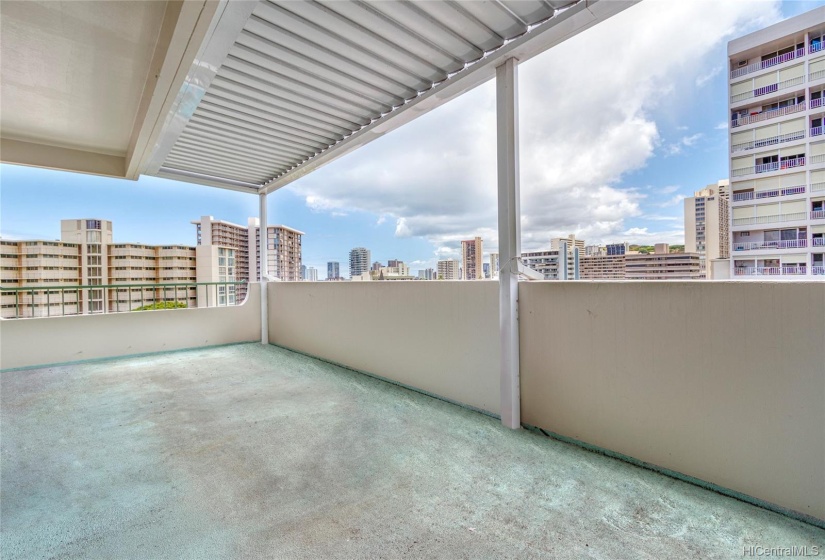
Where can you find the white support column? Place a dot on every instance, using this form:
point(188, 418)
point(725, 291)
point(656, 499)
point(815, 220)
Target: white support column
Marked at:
point(262, 233)
point(509, 238)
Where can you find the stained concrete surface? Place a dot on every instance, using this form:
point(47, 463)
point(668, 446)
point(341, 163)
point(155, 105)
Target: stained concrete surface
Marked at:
point(250, 451)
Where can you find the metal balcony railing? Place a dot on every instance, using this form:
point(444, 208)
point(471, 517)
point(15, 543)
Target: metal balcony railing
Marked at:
point(757, 271)
point(816, 131)
point(818, 270)
point(769, 219)
point(817, 102)
point(818, 242)
point(751, 195)
point(756, 66)
point(38, 301)
point(819, 74)
point(793, 270)
point(817, 187)
point(816, 47)
point(761, 245)
point(771, 114)
point(762, 142)
point(818, 215)
point(770, 88)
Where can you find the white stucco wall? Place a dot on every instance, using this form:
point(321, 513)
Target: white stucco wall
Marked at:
point(724, 382)
point(53, 340)
point(437, 336)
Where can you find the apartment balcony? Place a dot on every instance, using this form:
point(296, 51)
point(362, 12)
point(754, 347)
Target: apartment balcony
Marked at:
point(768, 63)
point(818, 242)
point(775, 218)
point(771, 141)
point(771, 114)
point(770, 245)
point(249, 447)
point(773, 193)
point(818, 270)
point(818, 215)
point(769, 89)
point(757, 271)
point(816, 131)
point(773, 166)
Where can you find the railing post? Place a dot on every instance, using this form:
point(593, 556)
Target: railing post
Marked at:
point(509, 238)
point(262, 230)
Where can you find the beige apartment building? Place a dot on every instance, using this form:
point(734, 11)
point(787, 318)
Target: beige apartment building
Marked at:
point(448, 270)
point(283, 247)
point(661, 264)
point(472, 259)
point(87, 256)
point(777, 150)
point(707, 229)
point(602, 267)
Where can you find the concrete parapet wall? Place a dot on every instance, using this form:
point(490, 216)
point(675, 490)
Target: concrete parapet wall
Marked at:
point(724, 382)
point(53, 340)
point(440, 337)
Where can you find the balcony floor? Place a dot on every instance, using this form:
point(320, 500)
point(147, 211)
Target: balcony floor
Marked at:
point(249, 451)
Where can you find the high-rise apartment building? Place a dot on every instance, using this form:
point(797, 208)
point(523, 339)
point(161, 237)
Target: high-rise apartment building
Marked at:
point(359, 261)
point(87, 256)
point(472, 258)
point(777, 150)
point(448, 270)
point(333, 270)
point(554, 264)
point(312, 274)
point(661, 264)
point(707, 224)
point(617, 248)
point(283, 247)
point(427, 274)
point(494, 265)
point(603, 267)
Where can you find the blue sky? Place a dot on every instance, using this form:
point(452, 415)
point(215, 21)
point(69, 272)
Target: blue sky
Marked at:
point(617, 128)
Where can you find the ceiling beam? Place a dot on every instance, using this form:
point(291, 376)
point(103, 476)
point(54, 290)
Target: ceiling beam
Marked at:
point(33, 154)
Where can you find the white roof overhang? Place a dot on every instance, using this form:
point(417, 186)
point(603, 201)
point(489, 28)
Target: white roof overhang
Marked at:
point(248, 95)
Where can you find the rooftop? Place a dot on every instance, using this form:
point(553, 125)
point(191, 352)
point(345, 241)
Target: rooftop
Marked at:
point(254, 451)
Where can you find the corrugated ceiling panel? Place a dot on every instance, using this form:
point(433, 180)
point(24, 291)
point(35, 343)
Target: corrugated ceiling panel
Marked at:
point(303, 75)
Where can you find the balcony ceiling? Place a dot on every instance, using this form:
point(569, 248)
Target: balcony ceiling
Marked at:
point(248, 95)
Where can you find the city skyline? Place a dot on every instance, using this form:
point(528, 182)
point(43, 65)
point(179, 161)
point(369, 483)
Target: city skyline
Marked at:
point(626, 195)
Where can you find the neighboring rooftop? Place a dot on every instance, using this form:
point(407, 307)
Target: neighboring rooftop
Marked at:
point(253, 451)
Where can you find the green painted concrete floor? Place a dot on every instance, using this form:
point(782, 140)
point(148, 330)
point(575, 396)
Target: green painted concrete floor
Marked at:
point(257, 452)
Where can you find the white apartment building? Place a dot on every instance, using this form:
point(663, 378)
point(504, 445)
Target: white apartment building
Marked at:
point(561, 262)
point(707, 230)
point(777, 150)
point(311, 274)
point(472, 259)
point(359, 261)
point(448, 270)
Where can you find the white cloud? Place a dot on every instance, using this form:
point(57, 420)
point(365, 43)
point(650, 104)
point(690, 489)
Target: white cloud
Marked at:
point(586, 121)
point(684, 142)
point(705, 78)
point(677, 199)
point(721, 126)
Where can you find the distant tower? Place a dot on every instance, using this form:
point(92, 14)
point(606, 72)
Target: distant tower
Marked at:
point(359, 261)
point(472, 259)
